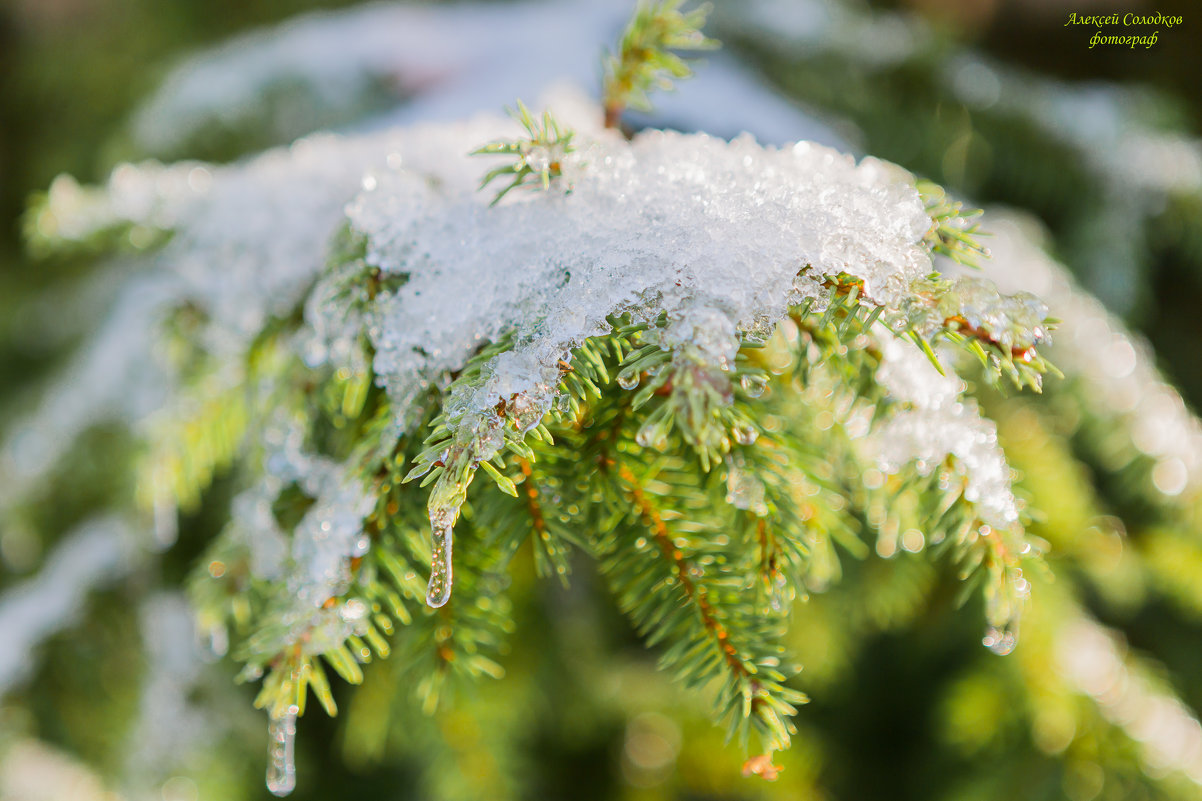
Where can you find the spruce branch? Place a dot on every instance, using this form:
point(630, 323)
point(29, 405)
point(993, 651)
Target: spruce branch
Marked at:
point(762, 483)
point(614, 388)
point(73, 220)
point(720, 636)
point(714, 637)
point(714, 480)
point(645, 60)
point(191, 443)
point(539, 155)
point(989, 559)
point(1001, 332)
point(954, 230)
point(550, 537)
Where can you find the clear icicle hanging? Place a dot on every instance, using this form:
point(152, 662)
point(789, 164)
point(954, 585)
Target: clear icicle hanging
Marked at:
point(478, 439)
point(442, 522)
point(281, 761)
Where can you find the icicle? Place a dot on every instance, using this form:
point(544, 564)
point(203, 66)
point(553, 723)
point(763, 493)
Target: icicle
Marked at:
point(281, 764)
point(442, 523)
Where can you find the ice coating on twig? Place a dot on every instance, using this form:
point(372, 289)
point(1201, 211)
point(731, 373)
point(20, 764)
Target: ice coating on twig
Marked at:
point(441, 567)
point(936, 423)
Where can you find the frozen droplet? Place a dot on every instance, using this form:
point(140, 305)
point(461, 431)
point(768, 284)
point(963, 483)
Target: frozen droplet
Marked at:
point(281, 761)
point(778, 590)
point(745, 434)
point(1000, 641)
point(628, 379)
point(438, 591)
point(753, 385)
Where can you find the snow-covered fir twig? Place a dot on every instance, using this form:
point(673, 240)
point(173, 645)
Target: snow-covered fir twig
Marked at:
point(360, 330)
point(698, 245)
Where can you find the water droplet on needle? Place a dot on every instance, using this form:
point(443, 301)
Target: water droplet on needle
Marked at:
point(745, 434)
point(753, 385)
